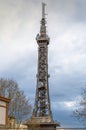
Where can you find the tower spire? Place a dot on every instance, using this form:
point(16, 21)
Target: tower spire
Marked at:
point(43, 21)
point(42, 106)
point(43, 34)
point(43, 10)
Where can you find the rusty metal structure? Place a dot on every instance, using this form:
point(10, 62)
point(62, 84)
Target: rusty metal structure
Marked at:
point(42, 115)
point(42, 100)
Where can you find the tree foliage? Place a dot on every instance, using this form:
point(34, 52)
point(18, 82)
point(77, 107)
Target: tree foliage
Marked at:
point(19, 106)
point(80, 112)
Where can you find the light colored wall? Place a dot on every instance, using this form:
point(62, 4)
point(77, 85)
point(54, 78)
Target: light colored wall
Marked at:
point(2, 103)
point(2, 113)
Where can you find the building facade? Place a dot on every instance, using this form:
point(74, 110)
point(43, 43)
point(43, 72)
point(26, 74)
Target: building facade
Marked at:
point(4, 103)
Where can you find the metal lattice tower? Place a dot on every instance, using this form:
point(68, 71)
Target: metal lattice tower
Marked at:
point(42, 100)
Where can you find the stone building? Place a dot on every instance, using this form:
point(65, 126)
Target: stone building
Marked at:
point(4, 103)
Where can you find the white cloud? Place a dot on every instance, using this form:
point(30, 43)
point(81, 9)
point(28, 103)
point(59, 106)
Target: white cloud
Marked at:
point(16, 32)
point(70, 50)
point(63, 105)
point(70, 104)
point(66, 44)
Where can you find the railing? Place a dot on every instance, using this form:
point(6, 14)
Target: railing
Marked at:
point(42, 129)
point(71, 129)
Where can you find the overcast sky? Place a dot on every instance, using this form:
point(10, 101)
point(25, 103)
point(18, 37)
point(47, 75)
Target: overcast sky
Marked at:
point(66, 27)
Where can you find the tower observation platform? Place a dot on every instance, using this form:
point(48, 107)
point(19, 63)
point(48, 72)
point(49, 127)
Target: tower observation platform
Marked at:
point(42, 115)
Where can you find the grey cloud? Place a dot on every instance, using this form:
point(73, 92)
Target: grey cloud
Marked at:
point(66, 119)
point(66, 74)
point(67, 87)
point(69, 10)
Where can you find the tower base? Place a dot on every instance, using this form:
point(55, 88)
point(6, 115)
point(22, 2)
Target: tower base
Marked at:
point(41, 123)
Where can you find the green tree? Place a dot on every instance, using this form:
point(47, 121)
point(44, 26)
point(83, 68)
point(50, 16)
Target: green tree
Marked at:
point(19, 106)
point(80, 111)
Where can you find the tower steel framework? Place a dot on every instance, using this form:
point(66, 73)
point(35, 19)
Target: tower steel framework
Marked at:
point(42, 106)
point(42, 115)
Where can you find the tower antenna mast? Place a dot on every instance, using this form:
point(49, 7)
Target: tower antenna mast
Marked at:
point(43, 9)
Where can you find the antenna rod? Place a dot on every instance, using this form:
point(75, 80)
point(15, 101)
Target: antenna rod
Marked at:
point(43, 10)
